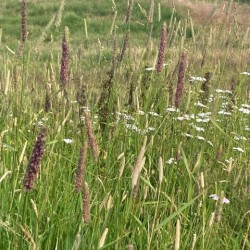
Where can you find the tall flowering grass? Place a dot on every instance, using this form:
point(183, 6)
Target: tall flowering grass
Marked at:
point(35, 161)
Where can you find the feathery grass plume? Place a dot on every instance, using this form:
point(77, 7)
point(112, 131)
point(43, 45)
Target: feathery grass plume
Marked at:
point(219, 153)
point(177, 235)
point(103, 238)
point(86, 203)
point(58, 17)
point(138, 164)
point(129, 11)
point(35, 161)
point(79, 178)
point(205, 88)
point(65, 59)
point(161, 50)
point(181, 77)
point(160, 165)
point(125, 45)
point(91, 136)
point(218, 209)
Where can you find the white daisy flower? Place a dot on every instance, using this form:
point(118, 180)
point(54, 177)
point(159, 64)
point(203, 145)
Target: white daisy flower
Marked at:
point(149, 69)
point(68, 141)
point(238, 149)
point(171, 161)
point(199, 104)
point(244, 111)
point(223, 91)
point(223, 112)
point(172, 110)
point(154, 114)
point(245, 73)
point(238, 138)
point(197, 79)
point(215, 197)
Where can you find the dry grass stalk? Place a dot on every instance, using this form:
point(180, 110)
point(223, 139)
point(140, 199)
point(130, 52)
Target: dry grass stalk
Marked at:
point(47, 103)
point(24, 21)
point(178, 154)
point(35, 161)
point(160, 165)
point(161, 50)
point(122, 165)
point(130, 247)
point(81, 97)
point(129, 11)
point(103, 103)
point(151, 11)
point(1, 34)
point(29, 237)
point(91, 136)
point(177, 235)
point(125, 45)
point(211, 220)
point(159, 12)
point(79, 178)
point(138, 165)
point(136, 178)
point(218, 209)
point(58, 17)
point(181, 77)
point(23, 27)
point(86, 203)
point(230, 165)
point(219, 153)
point(103, 238)
point(202, 181)
point(194, 241)
point(205, 87)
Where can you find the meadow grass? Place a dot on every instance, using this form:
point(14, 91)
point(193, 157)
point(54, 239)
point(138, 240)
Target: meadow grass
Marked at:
point(145, 179)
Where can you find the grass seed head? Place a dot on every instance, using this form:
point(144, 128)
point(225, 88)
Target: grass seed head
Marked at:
point(161, 50)
point(79, 178)
point(181, 77)
point(91, 136)
point(34, 161)
point(65, 58)
point(86, 203)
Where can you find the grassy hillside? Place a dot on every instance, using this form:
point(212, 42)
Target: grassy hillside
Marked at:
point(124, 125)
